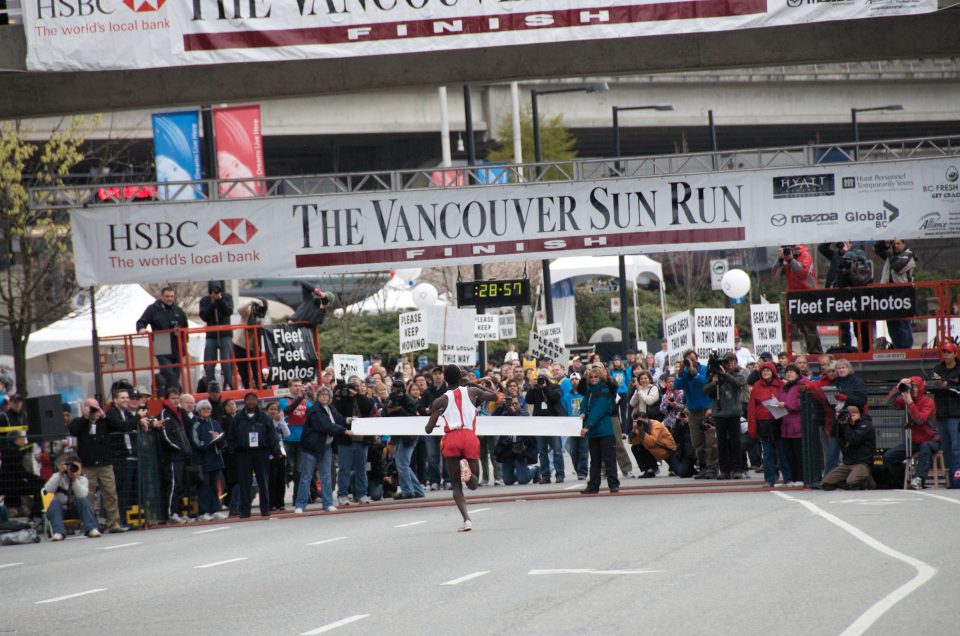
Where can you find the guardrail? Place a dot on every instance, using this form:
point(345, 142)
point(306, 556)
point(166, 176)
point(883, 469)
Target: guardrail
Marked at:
point(73, 196)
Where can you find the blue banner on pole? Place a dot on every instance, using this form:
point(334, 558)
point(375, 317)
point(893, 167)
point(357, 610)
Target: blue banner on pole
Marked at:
point(176, 147)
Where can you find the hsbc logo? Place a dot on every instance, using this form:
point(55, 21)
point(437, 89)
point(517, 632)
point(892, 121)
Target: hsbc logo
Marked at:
point(232, 231)
point(161, 235)
point(144, 6)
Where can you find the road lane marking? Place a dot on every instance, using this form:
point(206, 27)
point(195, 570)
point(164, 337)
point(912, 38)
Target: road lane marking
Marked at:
point(332, 626)
point(328, 541)
point(122, 545)
point(941, 497)
point(69, 596)
point(573, 571)
point(464, 579)
point(10, 565)
point(213, 565)
point(407, 525)
point(476, 510)
point(212, 530)
point(925, 572)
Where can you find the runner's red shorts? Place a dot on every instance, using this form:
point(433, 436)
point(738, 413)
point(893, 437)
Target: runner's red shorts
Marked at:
point(461, 442)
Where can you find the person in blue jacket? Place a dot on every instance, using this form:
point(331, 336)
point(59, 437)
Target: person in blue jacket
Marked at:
point(691, 380)
point(577, 446)
point(324, 423)
point(597, 427)
point(207, 438)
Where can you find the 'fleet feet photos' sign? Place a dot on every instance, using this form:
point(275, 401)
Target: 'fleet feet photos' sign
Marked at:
point(82, 35)
point(280, 237)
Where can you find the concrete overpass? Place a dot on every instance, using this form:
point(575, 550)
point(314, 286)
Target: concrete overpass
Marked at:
point(31, 94)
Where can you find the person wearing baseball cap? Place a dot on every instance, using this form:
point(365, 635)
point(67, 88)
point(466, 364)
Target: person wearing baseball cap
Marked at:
point(15, 413)
point(858, 440)
point(945, 386)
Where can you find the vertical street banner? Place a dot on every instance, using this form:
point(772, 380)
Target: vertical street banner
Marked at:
point(345, 366)
point(679, 334)
point(176, 152)
point(290, 353)
point(239, 142)
point(508, 326)
point(413, 332)
point(712, 331)
point(767, 329)
point(486, 327)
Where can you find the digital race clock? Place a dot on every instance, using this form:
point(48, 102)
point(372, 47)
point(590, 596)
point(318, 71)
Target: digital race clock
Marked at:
point(493, 293)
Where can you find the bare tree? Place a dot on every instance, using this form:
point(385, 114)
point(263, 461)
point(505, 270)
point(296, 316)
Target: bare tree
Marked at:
point(37, 282)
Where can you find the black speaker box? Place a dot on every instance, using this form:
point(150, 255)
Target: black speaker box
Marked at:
point(45, 416)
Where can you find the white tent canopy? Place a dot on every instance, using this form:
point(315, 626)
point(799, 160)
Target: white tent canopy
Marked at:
point(63, 351)
point(396, 295)
point(640, 270)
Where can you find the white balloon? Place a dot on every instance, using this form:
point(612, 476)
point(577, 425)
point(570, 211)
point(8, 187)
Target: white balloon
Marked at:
point(736, 283)
point(407, 275)
point(338, 312)
point(425, 295)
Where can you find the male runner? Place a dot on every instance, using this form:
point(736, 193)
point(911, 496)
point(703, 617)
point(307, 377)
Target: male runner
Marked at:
point(460, 447)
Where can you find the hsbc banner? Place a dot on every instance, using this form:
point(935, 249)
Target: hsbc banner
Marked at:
point(877, 302)
point(239, 150)
point(284, 237)
point(78, 35)
point(290, 354)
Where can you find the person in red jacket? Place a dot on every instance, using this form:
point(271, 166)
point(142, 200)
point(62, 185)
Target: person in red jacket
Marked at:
point(911, 394)
point(828, 440)
point(762, 424)
point(796, 264)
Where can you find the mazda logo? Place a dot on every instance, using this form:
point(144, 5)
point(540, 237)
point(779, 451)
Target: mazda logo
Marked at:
point(778, 220)
point(952, 174)
point(794, 3)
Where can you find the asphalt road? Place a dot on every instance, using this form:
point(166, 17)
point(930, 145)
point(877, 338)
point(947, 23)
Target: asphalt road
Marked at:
point(751, 562)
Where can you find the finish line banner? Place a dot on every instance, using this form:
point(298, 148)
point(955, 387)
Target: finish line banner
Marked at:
point(83, 35)
point(284, 237)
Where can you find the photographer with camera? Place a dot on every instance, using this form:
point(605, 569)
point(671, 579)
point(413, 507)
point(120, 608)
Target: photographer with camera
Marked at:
point(216, 308)
point(546, 399)
point(515, 454)
point(165, 315)
point(945, 386)
point(921, 421)
point(796, 264)
point(352, 451)
point(849, 267)
point(313, 306)
point(400, 404)
point(724, 384)
point(650, 442)
point(70, 490)
point(246, 341)
point(122, 416)
point(898, 267)
point(858, 440)
point(92, 431)
point(691, 379)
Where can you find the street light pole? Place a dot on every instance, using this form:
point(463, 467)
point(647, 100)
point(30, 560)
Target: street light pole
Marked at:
point(538, 157)
point(625, 338)
point(856, 127)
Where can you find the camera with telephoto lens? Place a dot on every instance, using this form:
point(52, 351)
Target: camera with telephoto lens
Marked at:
point(845, 264)
point(215, 287)
point(787, 250)
point(903, 387)
point(343, 391)
point(542, 381)
point(844, 418)
point(73, 468)
point(714, 362)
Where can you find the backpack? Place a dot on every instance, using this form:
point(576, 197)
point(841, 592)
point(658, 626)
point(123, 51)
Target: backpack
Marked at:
point(19, 537)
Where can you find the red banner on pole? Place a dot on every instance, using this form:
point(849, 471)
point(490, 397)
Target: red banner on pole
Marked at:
point(239, 150)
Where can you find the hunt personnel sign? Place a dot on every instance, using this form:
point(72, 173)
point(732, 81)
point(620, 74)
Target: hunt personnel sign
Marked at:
point(290, 354)
point(132, 34)
point(281, 237)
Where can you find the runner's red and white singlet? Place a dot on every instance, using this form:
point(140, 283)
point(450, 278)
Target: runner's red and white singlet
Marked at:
point(460, 412)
